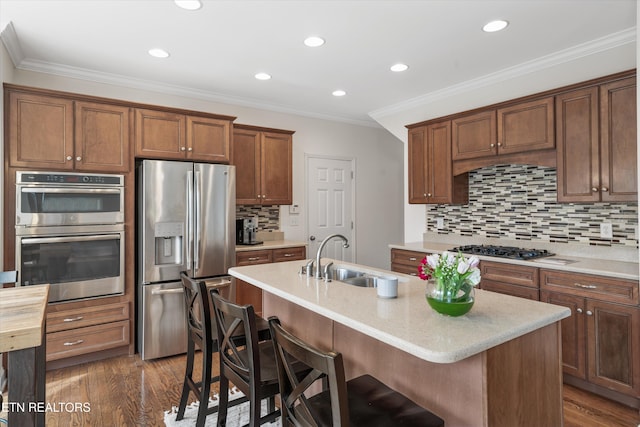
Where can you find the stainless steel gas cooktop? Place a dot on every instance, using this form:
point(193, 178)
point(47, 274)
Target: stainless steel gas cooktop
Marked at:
point(503, 251)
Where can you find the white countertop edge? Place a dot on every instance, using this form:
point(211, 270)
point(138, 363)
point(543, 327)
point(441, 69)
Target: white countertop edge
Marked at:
point(599, 267)
point(415, 350)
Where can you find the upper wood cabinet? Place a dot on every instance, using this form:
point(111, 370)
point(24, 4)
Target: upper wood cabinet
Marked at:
point(431, 179)
point(61, 134)
point(263, 160)
point(474, 136)
point(518, 128)
point(170, 135)
point(597, 145)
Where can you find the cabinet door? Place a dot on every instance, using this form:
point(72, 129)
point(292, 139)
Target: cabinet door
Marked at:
point(208, 139)
point(618, 141)
point(526, 127)
point(417, 147)
point(40, 131)
point(275, 169)
point(474, 136)
point(439, 171)
point(510, 289)
point(289, 254)
point(573, 333)
point(160, 135)
point(614, 346)
point(246, 158)
point(578, 159)
point(102, 137)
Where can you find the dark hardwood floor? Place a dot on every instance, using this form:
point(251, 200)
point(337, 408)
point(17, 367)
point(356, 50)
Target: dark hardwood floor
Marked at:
point(126, 391)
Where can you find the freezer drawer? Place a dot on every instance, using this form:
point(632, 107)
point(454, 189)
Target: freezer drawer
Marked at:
point(162, 323)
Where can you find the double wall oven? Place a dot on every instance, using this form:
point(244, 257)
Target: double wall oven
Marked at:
point(70, 233)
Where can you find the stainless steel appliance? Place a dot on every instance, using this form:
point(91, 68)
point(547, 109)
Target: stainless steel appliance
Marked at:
point(70, 233)
point(185, 223)
point(246, 231)
point(503, 251)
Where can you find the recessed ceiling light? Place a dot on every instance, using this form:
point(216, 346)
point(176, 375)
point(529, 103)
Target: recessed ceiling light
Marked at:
point(399, 67)
point(338, 92)
point(494, 26)
point(262, 76)
point(314, 41)
point(188, 4)
point(158, 53)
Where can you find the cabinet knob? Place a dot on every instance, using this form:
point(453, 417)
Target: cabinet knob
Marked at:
point(78, 158)
point(605, 189)
point(428, 194)
point(425, 194)
point(578, 310)
point(589, 313)
point(190, 149)
point(499, 144)
point(492, 145)
point(594, 189)
point(69, 157)
point(183, 148)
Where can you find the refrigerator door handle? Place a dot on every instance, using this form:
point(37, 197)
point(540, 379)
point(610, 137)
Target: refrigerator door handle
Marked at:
point(189, 220)
point(197, 220)
point(166, 291)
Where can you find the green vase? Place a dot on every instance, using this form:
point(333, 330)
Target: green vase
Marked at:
point(448, 299)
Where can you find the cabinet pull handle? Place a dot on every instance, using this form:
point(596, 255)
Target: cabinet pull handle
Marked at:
point(589, 313)
point(288, 255)
point(413, 274)
point(74, 342)
point(578, 310)
point(73, 319)
point(254, 258)
point(594, 189)
point(604, 189)
point(580, 285)
point(412, 258)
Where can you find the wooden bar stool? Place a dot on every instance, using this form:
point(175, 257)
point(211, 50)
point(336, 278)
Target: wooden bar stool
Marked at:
point(362, 401)
point(202, 334)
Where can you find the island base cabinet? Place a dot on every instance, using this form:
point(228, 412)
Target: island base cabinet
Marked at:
point(518, 383)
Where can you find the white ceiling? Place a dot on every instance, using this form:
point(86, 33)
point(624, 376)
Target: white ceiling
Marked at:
point(215, 51)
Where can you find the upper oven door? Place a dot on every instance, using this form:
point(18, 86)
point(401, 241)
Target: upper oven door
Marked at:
point(38, 205)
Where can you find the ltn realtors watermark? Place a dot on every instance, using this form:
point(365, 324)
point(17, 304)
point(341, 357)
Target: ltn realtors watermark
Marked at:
point(46, 407)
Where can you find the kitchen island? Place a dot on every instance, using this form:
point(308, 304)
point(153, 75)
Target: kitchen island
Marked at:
point(499, 365)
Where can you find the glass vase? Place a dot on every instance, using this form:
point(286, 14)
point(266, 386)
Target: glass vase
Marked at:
point(448, 298)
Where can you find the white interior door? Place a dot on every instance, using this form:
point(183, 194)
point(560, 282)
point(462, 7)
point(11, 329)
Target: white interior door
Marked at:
point(330, 196)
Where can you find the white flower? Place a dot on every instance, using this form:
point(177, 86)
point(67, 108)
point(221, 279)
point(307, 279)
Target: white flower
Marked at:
point(474, 261)
point(474, 277)
point(433, 260)
point(463, 267)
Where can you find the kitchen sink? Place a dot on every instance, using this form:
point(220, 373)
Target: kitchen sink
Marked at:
point(353, 277)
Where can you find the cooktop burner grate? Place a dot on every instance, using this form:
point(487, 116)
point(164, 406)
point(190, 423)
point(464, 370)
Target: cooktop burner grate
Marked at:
point(503, 251)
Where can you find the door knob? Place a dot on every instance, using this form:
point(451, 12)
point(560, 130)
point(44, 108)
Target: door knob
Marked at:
point(312, 238)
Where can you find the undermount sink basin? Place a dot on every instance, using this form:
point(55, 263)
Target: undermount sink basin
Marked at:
point(353, 277)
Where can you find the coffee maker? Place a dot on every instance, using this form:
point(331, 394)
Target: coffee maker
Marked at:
point(246, 231)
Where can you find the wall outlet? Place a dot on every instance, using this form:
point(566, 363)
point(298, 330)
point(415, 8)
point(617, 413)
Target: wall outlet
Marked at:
point(439, 223)
point(293, 221)
point(606, 230)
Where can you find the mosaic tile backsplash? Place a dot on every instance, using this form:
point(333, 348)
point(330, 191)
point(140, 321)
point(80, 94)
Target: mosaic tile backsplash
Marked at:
point(268, 216)
point(518, 202)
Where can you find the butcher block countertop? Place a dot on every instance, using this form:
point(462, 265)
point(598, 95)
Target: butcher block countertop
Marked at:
point(22, 315)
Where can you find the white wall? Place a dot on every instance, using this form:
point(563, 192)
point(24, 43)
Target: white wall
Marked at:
point(378, 154)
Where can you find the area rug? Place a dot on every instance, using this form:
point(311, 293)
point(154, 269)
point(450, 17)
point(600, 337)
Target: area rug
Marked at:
point(237, 416)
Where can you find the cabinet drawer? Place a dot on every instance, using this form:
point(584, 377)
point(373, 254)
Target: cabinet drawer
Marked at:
point(254, 257)
point(409, 258)
point(403, 268)
point(510, 274)
point(289, 254)
point(508, 289)
point(79, 341)
point(87, 316)
point(587, 285)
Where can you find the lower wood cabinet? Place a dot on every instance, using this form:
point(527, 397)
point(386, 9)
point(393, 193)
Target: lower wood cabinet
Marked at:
point(246, 293)
point(516, 280)
point(86, 330)
point(601, 339)
point(406, 262)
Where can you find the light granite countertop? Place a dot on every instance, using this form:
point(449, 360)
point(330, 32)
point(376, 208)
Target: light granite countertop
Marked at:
point(270, 244)
point(406, 322)
point(602, 266)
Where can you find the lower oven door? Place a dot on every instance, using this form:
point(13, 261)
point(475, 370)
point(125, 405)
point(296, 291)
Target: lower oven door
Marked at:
point(75, 266)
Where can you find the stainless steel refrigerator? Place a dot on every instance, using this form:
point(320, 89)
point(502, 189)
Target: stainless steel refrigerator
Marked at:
point(186, 222)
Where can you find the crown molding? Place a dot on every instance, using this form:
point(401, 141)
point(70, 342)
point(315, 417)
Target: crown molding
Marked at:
point(608, 42)
point(10, 40)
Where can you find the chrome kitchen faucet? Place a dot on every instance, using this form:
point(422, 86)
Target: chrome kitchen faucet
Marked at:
point(318, 274)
